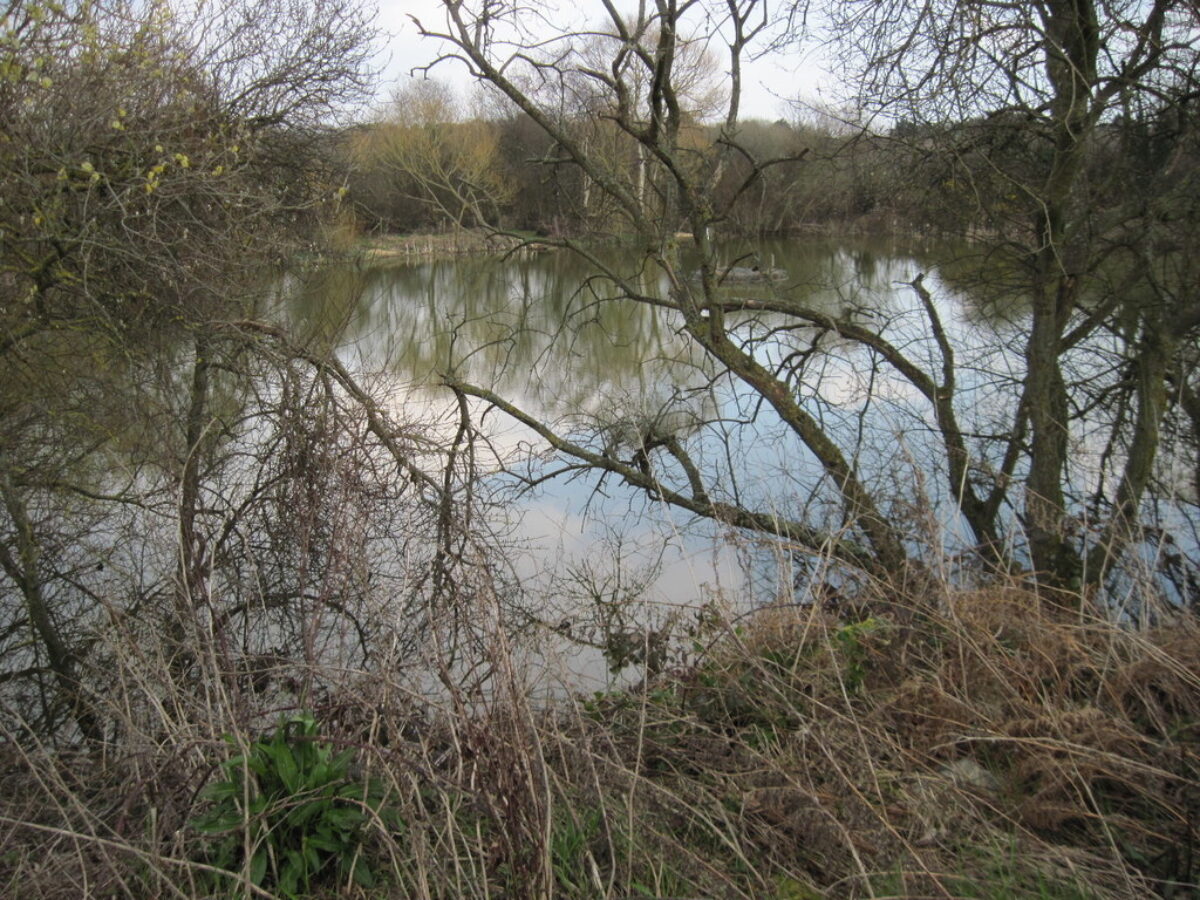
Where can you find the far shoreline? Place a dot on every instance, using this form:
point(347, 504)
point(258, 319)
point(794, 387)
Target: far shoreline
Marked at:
point(392, 247)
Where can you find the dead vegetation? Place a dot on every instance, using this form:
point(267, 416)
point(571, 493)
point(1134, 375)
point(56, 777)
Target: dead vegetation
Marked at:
point(992, 748)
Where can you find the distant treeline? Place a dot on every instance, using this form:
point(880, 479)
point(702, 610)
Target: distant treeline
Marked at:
point(504, 172)
point(775, 178)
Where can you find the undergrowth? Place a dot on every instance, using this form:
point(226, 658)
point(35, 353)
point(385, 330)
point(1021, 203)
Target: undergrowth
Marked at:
point(288, 816)
point(977, 745)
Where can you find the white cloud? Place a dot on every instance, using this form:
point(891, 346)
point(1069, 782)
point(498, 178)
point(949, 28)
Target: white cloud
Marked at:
point(768, 82)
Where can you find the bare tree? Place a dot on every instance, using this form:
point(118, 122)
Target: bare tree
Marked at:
point(1050, 79)
point(685, 175)
point(433, 154)
point(1035, 106)
point(178, 480)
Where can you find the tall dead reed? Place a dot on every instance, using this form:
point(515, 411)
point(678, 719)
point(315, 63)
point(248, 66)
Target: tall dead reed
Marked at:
point(979, 744)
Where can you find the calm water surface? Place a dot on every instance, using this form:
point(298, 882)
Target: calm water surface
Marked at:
point(548, 336)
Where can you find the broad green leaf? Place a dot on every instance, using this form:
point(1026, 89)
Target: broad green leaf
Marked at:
point(363, 876)
point(258, 866)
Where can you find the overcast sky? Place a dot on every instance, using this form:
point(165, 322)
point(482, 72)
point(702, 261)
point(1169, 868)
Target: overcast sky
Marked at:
point(767, 83)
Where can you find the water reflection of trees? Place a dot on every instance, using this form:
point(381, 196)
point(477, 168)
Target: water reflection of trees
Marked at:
point(195, 506)
point(278, 538)
point(622, 379)
point(548, 326)
point(539, 326)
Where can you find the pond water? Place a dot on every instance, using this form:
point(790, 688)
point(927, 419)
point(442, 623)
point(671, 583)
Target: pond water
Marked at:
point(547, 335)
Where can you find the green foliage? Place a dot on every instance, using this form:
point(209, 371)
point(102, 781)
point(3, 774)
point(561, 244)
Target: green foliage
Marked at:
point(570, 855)
point(289, 803)
point(852, 641)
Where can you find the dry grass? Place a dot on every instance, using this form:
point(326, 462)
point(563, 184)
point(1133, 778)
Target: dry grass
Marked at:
point(992, 748)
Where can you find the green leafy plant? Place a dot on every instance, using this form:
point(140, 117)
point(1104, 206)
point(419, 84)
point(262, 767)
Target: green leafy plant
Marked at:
point(288, 815)
point(852, 641)
point(569, 852)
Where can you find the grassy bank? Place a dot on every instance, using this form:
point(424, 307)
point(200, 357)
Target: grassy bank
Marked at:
point(980, 746)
